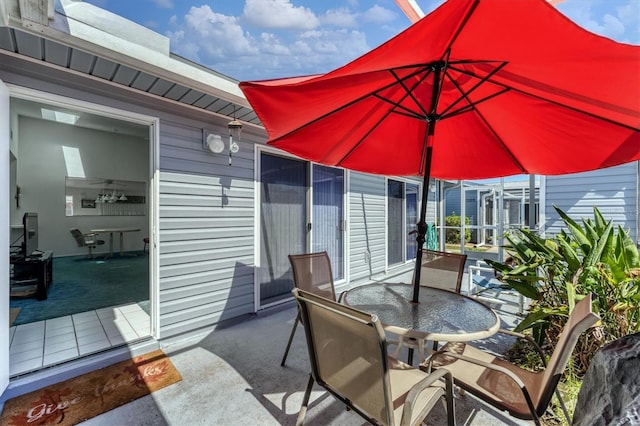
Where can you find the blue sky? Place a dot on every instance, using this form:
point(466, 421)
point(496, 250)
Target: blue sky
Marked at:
point(260, 39)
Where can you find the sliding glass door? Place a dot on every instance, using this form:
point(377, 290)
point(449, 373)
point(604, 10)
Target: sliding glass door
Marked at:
point(301, 210)
point(402, 216)
point(328, 216)
point(283, 219)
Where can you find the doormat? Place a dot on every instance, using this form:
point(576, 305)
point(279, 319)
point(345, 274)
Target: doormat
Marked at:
point(13, 314)
point(81, 398)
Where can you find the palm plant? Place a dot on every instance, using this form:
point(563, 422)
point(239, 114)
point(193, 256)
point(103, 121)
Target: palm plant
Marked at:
point(556, 272)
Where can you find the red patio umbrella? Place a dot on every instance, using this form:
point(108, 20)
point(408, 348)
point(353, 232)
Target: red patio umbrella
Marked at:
point(476, 89)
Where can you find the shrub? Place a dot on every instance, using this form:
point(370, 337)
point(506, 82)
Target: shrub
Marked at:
point(452, 236)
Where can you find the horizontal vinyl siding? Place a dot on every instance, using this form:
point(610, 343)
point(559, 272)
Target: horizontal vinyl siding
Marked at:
point(614, 191)
point(367, 242)
point(206, 232)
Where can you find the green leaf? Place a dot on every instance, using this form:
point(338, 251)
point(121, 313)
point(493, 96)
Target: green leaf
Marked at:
point(530, 320)
point(576, 231)
point(571, 296)
point(596, 253)
point(569, 254)
point(527, 290)
point(539, 316)
point(629, 249)
point(601, 222)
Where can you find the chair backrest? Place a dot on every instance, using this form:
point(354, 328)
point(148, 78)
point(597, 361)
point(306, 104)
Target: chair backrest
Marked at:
point(581, 319)
point(78, 236)
point(442, 270)
point(348, 354)
point(312, 273)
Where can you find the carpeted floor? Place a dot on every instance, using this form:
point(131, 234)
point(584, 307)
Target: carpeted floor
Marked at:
point(13, 314)
point(81, 284)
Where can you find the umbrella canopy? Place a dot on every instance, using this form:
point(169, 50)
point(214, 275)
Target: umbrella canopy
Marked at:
point(476, 89)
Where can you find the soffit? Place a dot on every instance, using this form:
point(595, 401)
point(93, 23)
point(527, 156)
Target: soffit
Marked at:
point(59, 55)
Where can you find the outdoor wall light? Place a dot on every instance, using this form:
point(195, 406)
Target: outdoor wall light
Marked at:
point(213, 143)
point(235, 129)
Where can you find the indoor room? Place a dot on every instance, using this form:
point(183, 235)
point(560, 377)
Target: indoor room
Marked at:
point(79, 212)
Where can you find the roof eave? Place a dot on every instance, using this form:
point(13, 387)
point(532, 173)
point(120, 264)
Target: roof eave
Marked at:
point(70, 26)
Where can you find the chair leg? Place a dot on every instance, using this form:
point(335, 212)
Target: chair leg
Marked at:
point(564, 407)
point(451, 410)
point(90, 252)
point(293, 331)
point(305, 402)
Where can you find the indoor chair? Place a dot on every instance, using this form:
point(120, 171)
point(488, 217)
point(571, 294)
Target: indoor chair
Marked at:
point(311, 272)
point(86, 240)
point(524, 394)
point(348, 355)
point(440, 270)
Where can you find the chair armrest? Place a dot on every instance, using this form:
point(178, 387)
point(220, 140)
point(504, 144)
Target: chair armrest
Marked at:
point(502, 370)
point(418, 388)
point(494, 367)
point(528, 339)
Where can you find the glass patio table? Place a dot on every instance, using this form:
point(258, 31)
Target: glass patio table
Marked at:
point(441, 315)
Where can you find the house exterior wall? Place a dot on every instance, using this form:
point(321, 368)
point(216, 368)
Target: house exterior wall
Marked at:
point(206, 207)
point(614, 191)
point(206, 231)
point(367, 217)
point(367, 228)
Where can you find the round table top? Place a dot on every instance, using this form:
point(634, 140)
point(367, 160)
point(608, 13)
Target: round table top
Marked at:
point(441, 315)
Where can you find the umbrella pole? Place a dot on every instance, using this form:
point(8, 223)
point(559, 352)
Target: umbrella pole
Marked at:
point(422, 224)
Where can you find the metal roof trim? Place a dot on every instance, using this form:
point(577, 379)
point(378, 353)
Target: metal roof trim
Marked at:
point(70, 29)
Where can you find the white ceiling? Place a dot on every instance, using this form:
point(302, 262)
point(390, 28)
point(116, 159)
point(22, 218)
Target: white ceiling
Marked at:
point(33, 109)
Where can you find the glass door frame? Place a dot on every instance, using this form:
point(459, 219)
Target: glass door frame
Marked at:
point(153, 210)
point(404, 225)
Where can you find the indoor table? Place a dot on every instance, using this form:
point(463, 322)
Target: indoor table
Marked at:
point(110, 231)
point(440, 315)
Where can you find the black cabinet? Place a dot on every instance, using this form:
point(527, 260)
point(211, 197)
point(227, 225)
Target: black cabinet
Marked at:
point(33, 271)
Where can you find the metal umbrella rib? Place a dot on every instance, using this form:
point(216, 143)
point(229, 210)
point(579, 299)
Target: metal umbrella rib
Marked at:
point(507, 98)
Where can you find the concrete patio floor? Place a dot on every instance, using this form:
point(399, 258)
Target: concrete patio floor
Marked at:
point(232, 376)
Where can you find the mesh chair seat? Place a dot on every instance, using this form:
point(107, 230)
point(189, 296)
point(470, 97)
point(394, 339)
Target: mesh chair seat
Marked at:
point(523, 394)
point(311, 272)
point(492, 384)
point(348, 356)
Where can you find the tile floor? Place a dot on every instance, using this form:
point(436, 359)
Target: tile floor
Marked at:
point(45, 343)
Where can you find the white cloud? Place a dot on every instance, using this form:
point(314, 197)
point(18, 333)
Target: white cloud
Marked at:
point(379, 15)
point(311, 52)
point(163, 4)
point(618, 21)
point(207, 36)
point(220, 42)
point(613, 26)
point(629, 15)
point(341, 18)
point(279, 14)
